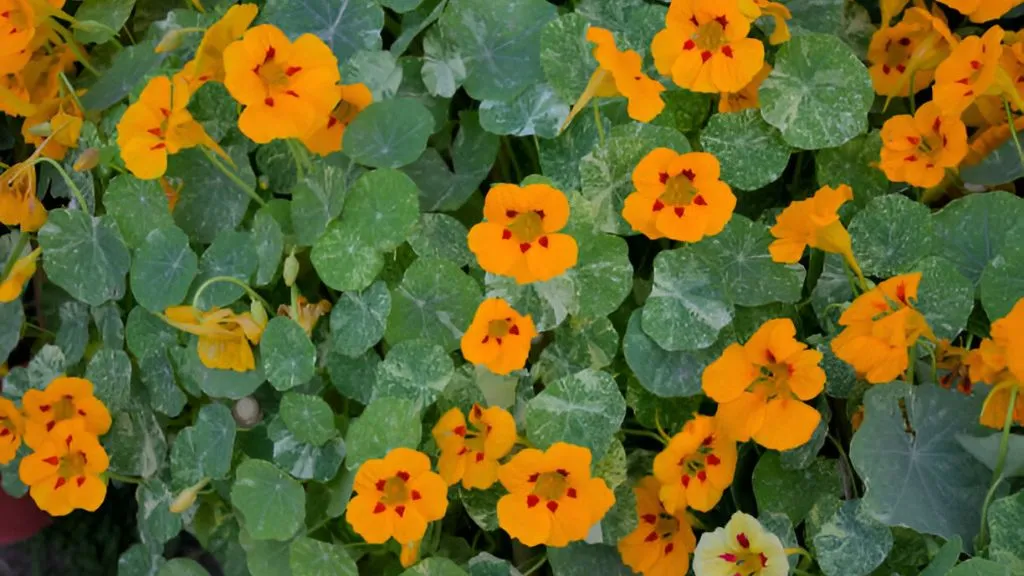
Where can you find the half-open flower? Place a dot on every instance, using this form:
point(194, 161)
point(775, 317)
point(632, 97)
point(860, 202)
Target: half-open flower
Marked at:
point(471, 454)
point(19, 205)
point(999, 361)
point(63, 119)
point(969, 72)
point(328, 134)
point(64, 471)
point(918, 149)
point(748, 96)
point(208, 63)
point(696, 467)
point(662, 541)
point(814, 222)
point(224, 336)
point(499, 337)
point(12, 428)
point(23, 270)
point(65, 398)
point(780, 14)
point(913, 48)
point(742, 546)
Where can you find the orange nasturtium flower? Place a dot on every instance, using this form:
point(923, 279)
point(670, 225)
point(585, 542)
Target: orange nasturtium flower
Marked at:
point(754, 9)
point(17, 28)
point(308, 313)
point(224, 336)
point(395, 497)
point(982, 10)
point(328, 135)
point(678, 196)
point(814, 222)
point(619, 73)
point(954, 370)
point(65, 125)
point(760, 387)
point(999, 361)
point(704, 46)
point(158, 124)
point(890, 8)
point(208, 63)
point(879, 327)
point(662, 542)
point(520, 236)
point(918, 149)
point(63, 474)
point(914, 47)
point(19, 205)
point(65, 398)
point(23, 270)
point(12, 428)
point(499, 337)
point(742, 546)
point(287, 88)
point(552, 499)
point(696, 467)
point(748, 96)
point(969, 72)
point(472, 454)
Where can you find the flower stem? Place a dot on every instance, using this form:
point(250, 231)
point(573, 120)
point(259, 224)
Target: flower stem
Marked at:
point(997, 472)
point(1013, 130)
point(800, 551)
point(125, 479)
point(23, 239)
point(535, 567)
point(657, 424)
point(233, 177)
point(67, 180)
point(911, 363)
point(231, 279)
point(644, 433)
point(597, 121)
point(302, 163)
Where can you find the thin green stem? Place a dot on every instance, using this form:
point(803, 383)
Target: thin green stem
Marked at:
point(233, 177)
point(71, 92)
point(997, 472)
point(125, 479)
point(536, 566)
point(318, 525)
point(800, 551)
point(644, 433)
point(231, 279)
point(847, 463)
point(1013, 130)
point(67, 180)
point(911, 362)
point(597, 121)
point(302, 163)
point(657, 424)
point(23, 239)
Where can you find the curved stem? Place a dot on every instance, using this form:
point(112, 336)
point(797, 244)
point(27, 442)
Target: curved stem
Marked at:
point(800, 551)
point(67, 180)
point(125, 479)
point(15, 254)
point(911, 363)
point(535, 567)
point(847, 463)
point(644, 433)
point(997, 472)
point(657, 424)
point(233, 177)
point(597, 121)
point(1013, 130)
point(231, 279)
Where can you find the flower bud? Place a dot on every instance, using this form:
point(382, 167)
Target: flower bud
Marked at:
point(171, 41)
point(259, 313)
point(184, 500)
point(87, 160)
point(291, 269)
point(43, 129)
point(246, 412)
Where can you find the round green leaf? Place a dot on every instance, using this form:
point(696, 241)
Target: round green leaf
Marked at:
point(163, 269)
point(147, 334)
point(482, 505)
point(231, 254)
point(793, 492)
point(585, 409)
point(979, 567)
point(382, 208)
point(138, 207)
point(566, 55)
point(139, 560)
point(389, 134)
point(289, 358)
point(344, 260)
point(536, 110)
point(268, 239)
point(73, 333)
point(1002, 282)
point(308, 417)
point(182, 567)
point(1006, 524)
point(132, 63)
point(162, 390)
point(971, 231)
point(345, 25)
point(819, 93)
point(666, 374)
point(209, 201)
point(603, 276)
point(385, 424)
point(318, 198)
point(214, 382)
point(204, 449)
point(157, 524)
point(110, 372)
point(441, 236)
point(846, 539)
point(890, 235)
point(731, 137)
point(687, 306)
point(272, 505)
point(581, 559)
point(309, 557)
point(436, 300)
point(358, 319)
point(303, 460)
point(264, 557)
point(560, 157)
point(84, 255)
point(135, 442)
point(418, 370)
point(354, 378)
point(684, 110)
point(378, 70)
point(945, 297)
point(443, 69)
point(484, 564)
point(1002, 165)
point(634, 22)
point(854, 164)
point(578, 345)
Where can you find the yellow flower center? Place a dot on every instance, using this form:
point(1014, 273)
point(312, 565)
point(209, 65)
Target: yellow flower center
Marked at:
point(527, 226)
point(497, 328)
point(711, 35)
point(774, 380)
point(551, 485)
point(273, 74)
point(666, 526)
point(64, 409)
point(679, 190)
point(72, 465)
point(395, 491)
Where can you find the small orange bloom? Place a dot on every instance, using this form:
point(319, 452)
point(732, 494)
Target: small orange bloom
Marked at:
point(754, 9)
point(65, 120)
point(982, 10)
point(969, 71)
point(158, 124)
point(1010, 76)
point(17, 28)
point(472, 454)
point(918, 149)
point(696, 467)
point(308, 314)
point(208, 63)
point(552, 499)
point(19, 205)
point(704, 46)
point(743, 547)
point(64, 472)
point(662, 542)
point(395, 497)
point(224, 337)
point(63, 399)
point(678, 196)
point(23, 271)
point(286, 88)
point(499, 337)
point(327, 137)
point(519, 238)
point(760, 386)
point(999, 361)
point(951, 361)
point(748, 96)
point(12, 428)
point(879, 327)
point(890, 54)
point(815, 223)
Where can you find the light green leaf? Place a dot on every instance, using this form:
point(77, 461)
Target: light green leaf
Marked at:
point(819, 93)
point(163, 269)
point(1006, 524)
point(621, 519)
point(441, 236)
point(204, 449)
point(382, 208)
point(289, 358)
point(435, 566)
point(979, 567)
point(117, 81)
point(633, 22)
point(319, 197)
point(345, 25)
point(484, 564)
point(581, 559)
point(389, 134)
point(560, 157)
point(84, 255)
point(740, 260)
point(436, 300)
point(847, 540)
point(687, 306)
point(378, 70)
point(549, 303)
point(265, 557)
point(302, 460)
point(971, 231)
point(1002, 281)
point(73, 332)
point(730, 137)
point(566, 55)
point(793, 492)
point(157, 524)
point(231, 254)
point(344, 260)
point(162, 391)
point(358, 319)
point(138, 207)
point(986, 450)
point(272, 505)
point(834, 287)
point(418, 370)
point(482, 505)
point(48, 364)
point(385, 424)
point(111, 14)
point(603, 276)
point(268, 240)
point(354, 378)
point(684, 110)
point(309, 557)
point(182, 567)
point(890, 235)
point(110, 372)
point(535, 111)
point(585, 409)
point(214, 382)
point(109, 325)
point(945, 559)
point(12, 315)
point(135, 442)
point(578, 345)
point(853, 164)
point(147, 334)
point(443, 68)
point(139, 561)
point(651, 410)
point(945, 297)
point(308, 417)
point(209, 201)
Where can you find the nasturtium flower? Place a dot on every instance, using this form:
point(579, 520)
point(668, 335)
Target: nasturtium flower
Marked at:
point(662, 541)
point(619, 73)
point(23, 270)
point(158, 124)
point(747, 97)
point(552, 499)
point(19, 205)
point(982, 10)
point(471, 454)
point(65, 398)
point(754, 9)
point(308, 314)
point(410, 553)
point(64, 471)
point(704, 46)
point(395, 497)
point(761, 386)
point(743, 547)
point(890, 8)
point(224, 336)
point(678, 196)
point(12, 428)
point(879, 327)
point(918, 149)
point(999, 361)
point(696, 467)
point(208, 63)
point(952, 364)
point(64, 118)
point(814, 222)
point(287, 88)
point(18, 29)
point(499, 337)
point(328, 133)
point(520, 237)
point(969, 72)
point(890, 54)
point(37, 81)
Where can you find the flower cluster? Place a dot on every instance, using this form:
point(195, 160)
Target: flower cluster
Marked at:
point(60, 425)
point(999, 362)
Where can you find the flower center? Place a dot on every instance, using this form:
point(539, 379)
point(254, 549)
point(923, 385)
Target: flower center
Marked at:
point(695, 465)
point(527, 226)
point(774, 380)
point(72, 465)
point(273, 74)
point(711, 35)
point(666, 526)
point(745, 560)
point(64, 408)
point(679, 190)
point(497, 328)
point(551, 485)
point(395, 491)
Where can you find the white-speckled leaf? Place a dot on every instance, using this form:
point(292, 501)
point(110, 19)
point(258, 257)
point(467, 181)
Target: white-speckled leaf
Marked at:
point(793, 492)
point(214, 382)
point(441, 236)
point(847, 541)
point(302, 460)
point(135, 442)
point(578, 345)
point(209, 201)
point(1006, 525)
point(308, 417)
point(971, 231)
point(687, 306)
point(309, 557)
point(204, 449)
point(289, 358)
point(436, 300)
point(854, 164)
point(319, 197)
point(536, 110)
point(1002, 282)
point(138, 207)
point(891, 234)
point(344, 260)
point(231, 254)
point(382, 208)
point(358, 319)
point(345, 25)
point(84, 255)
point(733, 137)
point(580, 559)
point(110, 372)
point(585, 409)
point(566, 55)
point(157, 524)
point(945, 297)
point(418, 370)
point(163, 269)
point(385, 424)
point(272, 505)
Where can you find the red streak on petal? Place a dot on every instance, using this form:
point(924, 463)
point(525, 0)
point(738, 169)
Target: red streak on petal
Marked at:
point(415, 495)
point(379, 485)
point(403, 475)
point(904, 41)
point(649, 518)
point(292, 93)
point(914, 140)
point(563, 472)
point(910, 158)
point(479, 456)
point(975, 64)
point(514, 330)
point(511, 213)
point(552, 505)
point(727, 50)
point(507, 234)
point(901, 68)
point(669, 548)
point(400, 510)
point(763, 558)
point(331, 121)
point(728, 557)
point(463, 451)
point(44, 408)
point(4, 432)
point(713, 460)
point(705, 56)
point(722, 20)
point(886, 69)
point(901, 293)
point(80, 480)
point(154, 132)
point(60, 482)
point(742, 539)
point(269, 101)
point(685, 480)
point(658, 206)
point(543, 241)
point(663, 177)
point(52, 460)
point(533, 477)
point(459, 431)
point(699, 200)
point(702, 476)
point(380, 507)
point(693, 19)
point(652, 537)
point(293, 70)
point(159, 146)
point(81, 412)
point(50, 425)
point(270, 53)
point(524, 247)
point(532, 500)
point(689, 45)
point(690, 174)
point(679, 210)
point(571, 493)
